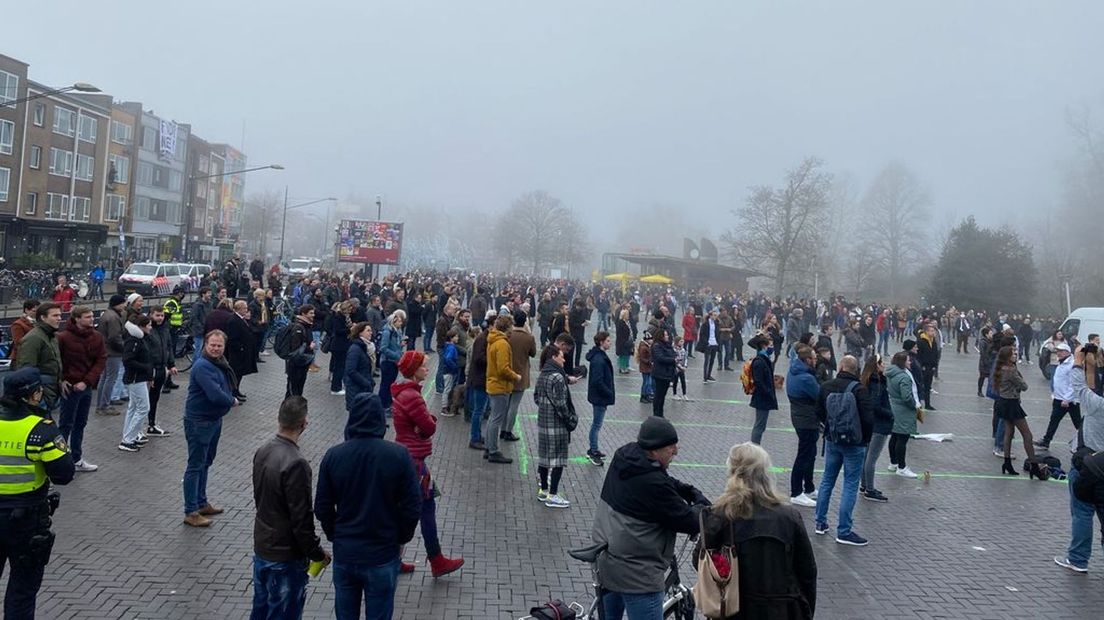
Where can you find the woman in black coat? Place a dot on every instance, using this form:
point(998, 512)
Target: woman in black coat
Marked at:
point(625, 343)
point(337, 330)
point(414, 322)
point(663, 368)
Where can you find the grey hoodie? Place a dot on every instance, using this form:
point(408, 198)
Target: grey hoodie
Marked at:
point(1092, 410)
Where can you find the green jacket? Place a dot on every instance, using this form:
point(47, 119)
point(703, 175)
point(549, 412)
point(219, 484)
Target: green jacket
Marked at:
point(901, 400)
point(39, 348)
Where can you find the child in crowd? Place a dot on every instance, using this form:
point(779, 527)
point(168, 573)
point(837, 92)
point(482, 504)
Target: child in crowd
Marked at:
point(450, 357)
point(644, 364)
point(681, 354)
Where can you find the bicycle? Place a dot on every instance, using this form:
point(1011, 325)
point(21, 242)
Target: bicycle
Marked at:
point(184, 350)
point(281, 317)
point(678, 599)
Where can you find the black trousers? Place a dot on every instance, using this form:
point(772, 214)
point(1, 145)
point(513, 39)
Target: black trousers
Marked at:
point(21, 545)
point(296, 379)
point(660, 396)
point(724, 351)
point(898, 443)
point(925, 392)
point(801, 477)
point(710, 358)
point(1057, 412)
point(159, 378)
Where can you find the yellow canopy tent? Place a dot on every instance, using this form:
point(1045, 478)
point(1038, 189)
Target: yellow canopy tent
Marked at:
point(657, 279)
point(623, 278)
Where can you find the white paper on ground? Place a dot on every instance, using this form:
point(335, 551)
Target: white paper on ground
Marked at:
point(936, 437)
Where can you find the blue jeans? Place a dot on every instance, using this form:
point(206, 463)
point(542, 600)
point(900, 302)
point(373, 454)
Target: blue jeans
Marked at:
point(389, 371)
point(112, 375)
point(647, 387)
point(197, 346)
point(439, 380)
point(478, 403)
point(202, 437)
point(74, 417)
point(998, 436)
point(603, 322)
point(1081, 526)
point(376, 584)
point(883, 342)
point(647, 606)
point(596, 425)
point(851, 459)
point(279, 589)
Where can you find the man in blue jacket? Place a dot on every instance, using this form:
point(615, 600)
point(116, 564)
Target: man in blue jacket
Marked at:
point(210, 396)
point(368, 502)
point(803, 392)
point(763, 398)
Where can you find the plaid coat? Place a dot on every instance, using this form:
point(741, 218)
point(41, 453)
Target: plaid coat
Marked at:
point(553, 404)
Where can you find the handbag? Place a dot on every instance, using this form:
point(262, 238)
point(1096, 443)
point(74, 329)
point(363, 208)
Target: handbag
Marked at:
point(553, 610)
point(716, 596)
point(327, 342)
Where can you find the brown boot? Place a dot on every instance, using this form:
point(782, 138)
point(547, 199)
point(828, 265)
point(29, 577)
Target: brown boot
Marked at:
point(196, 519)
point(210, 511)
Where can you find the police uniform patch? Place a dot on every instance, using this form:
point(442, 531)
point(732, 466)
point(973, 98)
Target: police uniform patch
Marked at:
point(61, 444)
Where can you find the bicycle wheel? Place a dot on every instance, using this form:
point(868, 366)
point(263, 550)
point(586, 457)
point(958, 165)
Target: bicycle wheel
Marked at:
point(183, 353)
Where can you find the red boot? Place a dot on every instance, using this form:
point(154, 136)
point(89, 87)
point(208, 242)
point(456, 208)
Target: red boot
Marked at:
point(406, 567)
point(442, 566)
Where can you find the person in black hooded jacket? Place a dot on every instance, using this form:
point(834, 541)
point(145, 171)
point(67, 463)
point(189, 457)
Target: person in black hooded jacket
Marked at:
point(368, 502)
point(642, 508)
point(663, 367)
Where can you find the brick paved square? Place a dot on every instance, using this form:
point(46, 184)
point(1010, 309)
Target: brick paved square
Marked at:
point(969, 543)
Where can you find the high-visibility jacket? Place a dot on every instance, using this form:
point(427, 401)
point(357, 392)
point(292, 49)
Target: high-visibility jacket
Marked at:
point(174, 312)
point(32, 453)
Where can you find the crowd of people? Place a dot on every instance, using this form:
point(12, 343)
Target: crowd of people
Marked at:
point(488, 333)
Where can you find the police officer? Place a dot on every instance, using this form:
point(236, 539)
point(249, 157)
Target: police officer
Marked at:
point(174, 314)
point(32, 455)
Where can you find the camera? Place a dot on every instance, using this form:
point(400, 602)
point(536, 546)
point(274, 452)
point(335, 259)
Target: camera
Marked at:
point(1090, 349)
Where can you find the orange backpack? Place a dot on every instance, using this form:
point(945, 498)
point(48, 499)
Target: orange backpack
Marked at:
point(746, 378)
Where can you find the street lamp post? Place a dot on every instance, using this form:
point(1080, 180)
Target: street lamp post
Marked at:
point(283, 226)
point(81, 87)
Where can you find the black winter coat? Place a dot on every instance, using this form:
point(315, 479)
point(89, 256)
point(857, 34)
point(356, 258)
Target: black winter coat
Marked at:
point(624, 344)
point(762, 373)
point(137, 363)
point(879, 399)
point(663, 360)
point(600, 390)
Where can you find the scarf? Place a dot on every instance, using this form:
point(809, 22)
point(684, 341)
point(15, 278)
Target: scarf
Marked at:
point(224, 366)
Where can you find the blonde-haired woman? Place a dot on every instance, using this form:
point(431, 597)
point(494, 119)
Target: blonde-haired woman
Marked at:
point(777, 569)
point(390, 351)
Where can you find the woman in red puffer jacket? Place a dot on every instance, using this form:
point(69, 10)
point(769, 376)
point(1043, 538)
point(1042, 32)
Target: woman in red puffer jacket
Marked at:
point(414, 428)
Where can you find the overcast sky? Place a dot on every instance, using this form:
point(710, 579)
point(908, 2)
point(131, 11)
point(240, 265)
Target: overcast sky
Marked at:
point(610, 106)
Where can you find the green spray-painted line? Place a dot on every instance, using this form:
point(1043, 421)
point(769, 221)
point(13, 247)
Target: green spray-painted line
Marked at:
point(699, 400)
point(523, 448)
point(949, 475)
point(428, 388)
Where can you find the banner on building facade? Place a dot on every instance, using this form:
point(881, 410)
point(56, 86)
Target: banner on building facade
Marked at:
point(369, 241)
point(168, 139)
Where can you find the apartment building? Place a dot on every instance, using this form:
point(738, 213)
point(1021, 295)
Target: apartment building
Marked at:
point(203, 209)
point(13, 89)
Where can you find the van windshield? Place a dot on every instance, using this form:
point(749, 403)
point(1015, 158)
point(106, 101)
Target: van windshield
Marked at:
point(142, 270)
point(300, 264)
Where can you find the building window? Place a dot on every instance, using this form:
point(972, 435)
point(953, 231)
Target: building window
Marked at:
point(181, 144)
point(61, 162)
point(57, 206)
point(149, 138)
point(65, 121)
point(122, 168)
point(9, 87)
point(116, 204)
point(176, 180)
point(121, 133)
point(88, 129)
point(31, 206)
point(85, 166)
point(142, 208)
point(40, 114)
point(5, 181)
point(81, 208)
point(160, 177)
point(7, 137)
point(172, 212)
point(204, 164)
point(198, 218)
point(36, 156)
point(201, 189)
point(158, 210)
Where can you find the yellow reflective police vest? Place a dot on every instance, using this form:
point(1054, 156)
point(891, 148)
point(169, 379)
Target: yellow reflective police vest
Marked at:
point(22, 456)
point(173, 310)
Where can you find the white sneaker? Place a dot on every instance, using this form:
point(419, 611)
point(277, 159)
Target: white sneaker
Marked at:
point(892, 467)
point(935, 392)
point(905, 472)
point(803, 500)
point(813, 495)
point(557, 501)
point(341, 393)
point(85, 466)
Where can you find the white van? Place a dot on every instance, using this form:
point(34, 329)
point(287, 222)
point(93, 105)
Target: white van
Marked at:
point(149, 279)
point(1081, 323)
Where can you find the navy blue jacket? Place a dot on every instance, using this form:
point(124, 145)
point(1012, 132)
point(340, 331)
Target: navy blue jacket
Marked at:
point(803, 391)
point(599, 378)
point(358, 372)
point(762, 373)
point(209, 394)
point(879, 400)
point(368, 499)
point(663, 360)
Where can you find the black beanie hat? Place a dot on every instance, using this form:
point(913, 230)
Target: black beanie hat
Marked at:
point(116, 300)
point(656, 433)
point(908, 345)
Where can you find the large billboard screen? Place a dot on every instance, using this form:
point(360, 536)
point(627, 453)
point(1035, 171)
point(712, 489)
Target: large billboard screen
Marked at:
point(368, 241)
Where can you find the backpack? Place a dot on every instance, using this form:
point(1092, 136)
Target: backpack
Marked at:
point(282, 346)
point(1089, 486)
point(747, 379)
point(844, 427)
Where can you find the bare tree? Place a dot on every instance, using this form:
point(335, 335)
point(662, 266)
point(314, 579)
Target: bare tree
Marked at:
point(777, 228)
point(262, 218)
point(894, 218)
point(543, 231)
